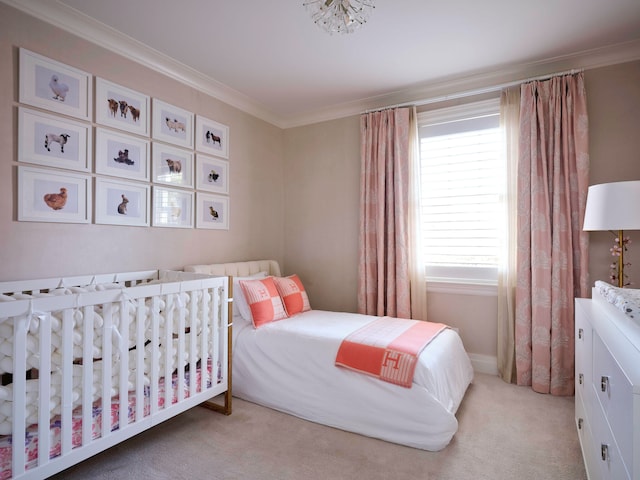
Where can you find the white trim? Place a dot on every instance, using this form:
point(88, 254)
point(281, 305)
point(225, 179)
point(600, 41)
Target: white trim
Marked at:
point(71, 20)
point(459, 287)
point(460, 112)
point(484, 363)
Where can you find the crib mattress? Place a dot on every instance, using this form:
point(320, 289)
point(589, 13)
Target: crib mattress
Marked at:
point(289, 366)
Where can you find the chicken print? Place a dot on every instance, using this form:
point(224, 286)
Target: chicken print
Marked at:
point(56, 201)
point(58, 88)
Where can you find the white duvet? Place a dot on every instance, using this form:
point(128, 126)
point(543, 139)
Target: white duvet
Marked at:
point(289, 365)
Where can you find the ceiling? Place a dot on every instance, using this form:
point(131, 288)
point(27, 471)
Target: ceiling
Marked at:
point(268, 58)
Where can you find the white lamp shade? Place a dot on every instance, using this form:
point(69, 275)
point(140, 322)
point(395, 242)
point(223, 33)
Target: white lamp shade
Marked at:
point(613, 206)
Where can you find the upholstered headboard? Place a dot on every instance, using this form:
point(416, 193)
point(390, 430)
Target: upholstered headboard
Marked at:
point(237, 269)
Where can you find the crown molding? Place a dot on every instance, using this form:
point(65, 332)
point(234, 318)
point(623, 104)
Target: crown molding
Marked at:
point(85, 27)
point(81, 25)
point(478, 82)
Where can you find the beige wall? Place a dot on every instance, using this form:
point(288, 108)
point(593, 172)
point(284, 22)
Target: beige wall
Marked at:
point(33, 250)
point(294, 193)
point(613, 96)
point(322, 178)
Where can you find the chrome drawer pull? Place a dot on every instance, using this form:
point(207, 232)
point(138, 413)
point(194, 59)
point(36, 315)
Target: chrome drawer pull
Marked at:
point(580, 333)
point(604, 383)
point(580, 422)
point(580, 379)
point(604, 452)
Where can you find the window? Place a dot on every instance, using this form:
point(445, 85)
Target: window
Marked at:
point(461, 187)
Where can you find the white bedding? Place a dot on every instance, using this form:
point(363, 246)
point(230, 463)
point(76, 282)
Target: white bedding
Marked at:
point(289, 365)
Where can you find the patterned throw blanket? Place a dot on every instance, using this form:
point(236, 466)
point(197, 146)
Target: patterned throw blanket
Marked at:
point(387, 348)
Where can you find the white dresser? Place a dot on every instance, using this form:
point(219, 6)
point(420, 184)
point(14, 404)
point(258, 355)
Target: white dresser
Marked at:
point(607, 389)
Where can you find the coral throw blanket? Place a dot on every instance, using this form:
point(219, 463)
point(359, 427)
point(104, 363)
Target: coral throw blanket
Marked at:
point(387, 348)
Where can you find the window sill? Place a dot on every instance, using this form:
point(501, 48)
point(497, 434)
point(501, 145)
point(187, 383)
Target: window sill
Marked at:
point(462, 287)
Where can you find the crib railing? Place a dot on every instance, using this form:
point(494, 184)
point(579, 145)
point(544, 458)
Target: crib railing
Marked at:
point(87, 362)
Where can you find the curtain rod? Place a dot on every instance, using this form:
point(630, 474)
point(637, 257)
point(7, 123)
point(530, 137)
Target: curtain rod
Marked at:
point(478, 91)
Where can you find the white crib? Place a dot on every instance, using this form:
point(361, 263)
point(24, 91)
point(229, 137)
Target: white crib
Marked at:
point(87, 362)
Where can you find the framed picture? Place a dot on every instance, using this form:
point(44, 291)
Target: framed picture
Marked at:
point(212, 137)
point(121, 107)
point(212, 211)
point(53, 141)
point(54, 86)
point(171, 165)
point(172, 124)
point(122, 155)
point(46, 195)
point(172, 208)
point(212, 174)
point(122, 203)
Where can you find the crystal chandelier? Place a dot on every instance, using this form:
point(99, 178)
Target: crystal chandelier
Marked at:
point(339, 16)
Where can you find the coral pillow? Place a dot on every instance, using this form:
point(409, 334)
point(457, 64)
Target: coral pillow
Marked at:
point(293, 294)
point(240, 307)
point(263, 300)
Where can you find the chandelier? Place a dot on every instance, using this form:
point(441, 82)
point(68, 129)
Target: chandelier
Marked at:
point(339, 16)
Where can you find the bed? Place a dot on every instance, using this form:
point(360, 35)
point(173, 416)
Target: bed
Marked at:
point(289, 365)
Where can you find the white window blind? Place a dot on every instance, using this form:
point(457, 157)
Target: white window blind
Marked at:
point(461, 187)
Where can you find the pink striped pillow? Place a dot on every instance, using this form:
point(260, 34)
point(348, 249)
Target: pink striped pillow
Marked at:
point(293, 294)
point(263, 300)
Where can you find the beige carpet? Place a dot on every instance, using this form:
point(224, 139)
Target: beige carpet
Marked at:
point(505, 433)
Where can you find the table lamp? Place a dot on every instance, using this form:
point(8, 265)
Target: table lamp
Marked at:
point(614, 207)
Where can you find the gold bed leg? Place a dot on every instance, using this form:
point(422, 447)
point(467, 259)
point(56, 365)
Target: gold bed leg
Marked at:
point(226, 407)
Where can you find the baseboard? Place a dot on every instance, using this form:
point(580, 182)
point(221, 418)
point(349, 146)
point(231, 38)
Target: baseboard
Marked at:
point(484, 363)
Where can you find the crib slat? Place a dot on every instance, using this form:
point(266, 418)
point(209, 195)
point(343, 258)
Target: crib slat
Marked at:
point(168, 354)
point(19, 392)
point(67, 381)
point(216, 326)
point(155, 353)
point(106, 363)
point(139, 355)
point(193, 345)
point(44, 389)
point(206, 324)
point(180, 352)
point(87, 374)
point(124, 364)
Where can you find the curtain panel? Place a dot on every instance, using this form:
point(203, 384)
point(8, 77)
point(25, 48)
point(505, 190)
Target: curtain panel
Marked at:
point(507, 271)
point(383, 276)
point(552, 257)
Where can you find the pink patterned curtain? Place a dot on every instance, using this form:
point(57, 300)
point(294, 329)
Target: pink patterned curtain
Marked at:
point(552, 261)
point(384, 287)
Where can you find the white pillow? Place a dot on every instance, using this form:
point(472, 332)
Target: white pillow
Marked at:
point(240, 305)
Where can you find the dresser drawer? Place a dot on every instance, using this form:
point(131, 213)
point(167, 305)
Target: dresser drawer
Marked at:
point(583, 347)
point(607, 456)
point(615, 395)
point(585, 436)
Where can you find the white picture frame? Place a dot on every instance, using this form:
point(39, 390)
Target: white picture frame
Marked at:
point(172, 208)
point(212, 211)
point(172, 124)
point(122, 155)
point(171, 165)
point(122, 203)
point(47, 195)
point(121, 107)
point(212, 137)
point(54, 86)
point(212, 174)
point(54, 141)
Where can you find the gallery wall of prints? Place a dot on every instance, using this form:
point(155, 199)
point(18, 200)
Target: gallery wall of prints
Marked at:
point(118, 157)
